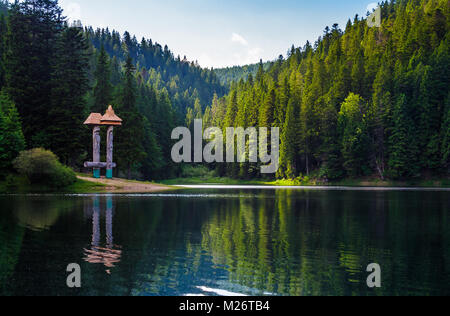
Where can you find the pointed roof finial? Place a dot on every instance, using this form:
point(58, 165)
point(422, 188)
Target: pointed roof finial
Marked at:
point(110, 118)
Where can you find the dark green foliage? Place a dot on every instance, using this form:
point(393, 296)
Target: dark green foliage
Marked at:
point(446, 135)
point(267, 114)
point(353, 126)
point(3, 29)
point(402, 153)
point(130, 136)
point(331, 148)
point(33, 30)
point(67, 135)
point(11, 136)
point(289, 148)
point(152, 164)
point(42, 167)
point(103, 87)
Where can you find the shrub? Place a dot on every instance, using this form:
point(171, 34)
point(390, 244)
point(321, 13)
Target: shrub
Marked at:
point(41, 166)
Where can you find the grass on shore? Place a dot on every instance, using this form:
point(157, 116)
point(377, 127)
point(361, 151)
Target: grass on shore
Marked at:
point(201, 175)
point(13, 184)
point(369, 182)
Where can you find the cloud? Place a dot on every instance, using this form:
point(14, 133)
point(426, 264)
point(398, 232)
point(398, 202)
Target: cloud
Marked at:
point(236, 50)
point(239, 39)
point(205, 60)
point(245, 53)
point(73, 11)
point(249, 56)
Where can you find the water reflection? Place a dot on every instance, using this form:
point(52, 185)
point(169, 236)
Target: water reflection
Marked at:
point(109, 254)
point(213, 242)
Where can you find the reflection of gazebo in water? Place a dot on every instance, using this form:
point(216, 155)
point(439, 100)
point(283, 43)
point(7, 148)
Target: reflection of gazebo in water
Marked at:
point(110, 254)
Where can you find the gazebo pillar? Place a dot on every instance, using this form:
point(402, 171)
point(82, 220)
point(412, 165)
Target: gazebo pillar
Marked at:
point(96, 140)
point(109, 152)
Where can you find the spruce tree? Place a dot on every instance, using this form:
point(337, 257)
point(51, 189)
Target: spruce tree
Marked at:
point(67, 135)
point(12, 141)
point(151, 165)
point(400, 153)
point(331, 155)
point(130, 136)
point(3, 29)
point(34, 27)
point(353, 127)
point(288, 148)
point(267, 114)
point(103, 87)
point(165, 123)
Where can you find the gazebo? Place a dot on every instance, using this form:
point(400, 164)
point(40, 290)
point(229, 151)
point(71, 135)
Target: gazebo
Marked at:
point(96, 120)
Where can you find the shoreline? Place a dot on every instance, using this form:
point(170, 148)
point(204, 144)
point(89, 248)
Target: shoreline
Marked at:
point(117, 185)
point(88, 185)
point(306, 187)
point(311, 183)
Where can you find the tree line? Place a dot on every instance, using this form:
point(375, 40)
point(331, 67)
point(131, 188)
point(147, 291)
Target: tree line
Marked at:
point(359, 102)
point(228, 75)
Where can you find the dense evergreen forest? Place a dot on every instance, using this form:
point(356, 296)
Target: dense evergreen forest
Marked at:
point(359, 102)
point(157, 67)
point(52, 75)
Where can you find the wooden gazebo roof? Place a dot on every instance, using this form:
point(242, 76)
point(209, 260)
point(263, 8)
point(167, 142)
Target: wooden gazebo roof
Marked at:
point(94, 119)
point(110, 118)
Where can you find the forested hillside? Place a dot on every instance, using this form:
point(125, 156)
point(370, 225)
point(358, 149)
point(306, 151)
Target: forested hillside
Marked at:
point(359, 102)
point(52, 75)
point(156, 66)
point(230, 74)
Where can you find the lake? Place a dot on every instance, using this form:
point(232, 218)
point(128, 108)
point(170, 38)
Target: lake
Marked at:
point(245, 241)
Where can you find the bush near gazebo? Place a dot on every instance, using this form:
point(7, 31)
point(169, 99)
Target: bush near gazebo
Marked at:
point(42, 166)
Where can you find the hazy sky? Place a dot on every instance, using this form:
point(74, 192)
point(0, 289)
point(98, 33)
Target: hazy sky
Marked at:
point(219, 33)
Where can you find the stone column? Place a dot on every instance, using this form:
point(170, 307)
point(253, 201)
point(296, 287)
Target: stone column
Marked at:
point(109, 152)
point(96, 139)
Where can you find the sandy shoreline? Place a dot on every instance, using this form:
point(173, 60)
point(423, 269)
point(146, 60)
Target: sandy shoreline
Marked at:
point(116, 185)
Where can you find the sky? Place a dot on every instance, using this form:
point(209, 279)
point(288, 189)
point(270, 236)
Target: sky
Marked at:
point(219, 33)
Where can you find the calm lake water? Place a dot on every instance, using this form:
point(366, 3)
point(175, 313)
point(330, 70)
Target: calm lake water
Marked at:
point(221, 242)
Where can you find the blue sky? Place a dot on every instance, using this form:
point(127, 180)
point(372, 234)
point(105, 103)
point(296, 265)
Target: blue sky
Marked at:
point(219, 33)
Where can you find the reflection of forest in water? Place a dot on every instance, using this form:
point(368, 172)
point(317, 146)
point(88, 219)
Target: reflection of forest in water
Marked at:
point(285, 242)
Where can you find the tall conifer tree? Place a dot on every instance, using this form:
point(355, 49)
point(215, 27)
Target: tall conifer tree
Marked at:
point(67, 135)
point(103, 87)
